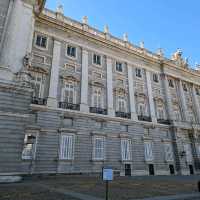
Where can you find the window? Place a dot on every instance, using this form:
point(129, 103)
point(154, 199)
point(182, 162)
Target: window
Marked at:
point(67, 147)
point(171, 83)
point(148, 151)
point(29, 147)
point(160, 114)
point(155, 78)
point(138, 72)
point(141, 109)
point(69, 92)
point(41, 41)
point(188, 151)
point(168, 152)
point(97, 98)
point(96, 59)
point(185, 87)
point(197, 91)
point(126, 149)
point(121, 106)
point(71, 51)
point(99, 148)
point(37, 85)
point(119, 67)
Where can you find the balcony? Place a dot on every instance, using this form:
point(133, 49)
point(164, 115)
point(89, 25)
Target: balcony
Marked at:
point(70, 106)
point(39, 101)
point(144, 118)
point(98, 110)
point(164, 121)
point(123, 115)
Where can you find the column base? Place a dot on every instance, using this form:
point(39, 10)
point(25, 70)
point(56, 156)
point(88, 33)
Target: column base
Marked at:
point(52, 102)
point(111, 112)
point(84, 108)
point(134, 116)
point(5, 73)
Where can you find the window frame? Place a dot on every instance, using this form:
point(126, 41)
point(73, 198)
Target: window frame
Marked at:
point(94, 153)
point(96, 54)
point(129, 150)
point(137, 69)
point(64, 89)
point(100, 91)
point(156, 80)
point(122, 67)
point(61, 157)
point(121, 98)
point(171, 83)
point(167, 157)
point(66, 51)
point(44, 36)
point(35, 81)
point(147, 144)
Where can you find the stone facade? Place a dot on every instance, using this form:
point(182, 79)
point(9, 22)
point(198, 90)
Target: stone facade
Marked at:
point(96, 101)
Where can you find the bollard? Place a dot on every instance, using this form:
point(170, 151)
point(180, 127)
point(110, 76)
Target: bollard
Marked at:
point(199, 186)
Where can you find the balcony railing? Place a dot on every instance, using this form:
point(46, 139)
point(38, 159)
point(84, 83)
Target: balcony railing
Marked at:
point(39, 101)
point(98, 110)
point(164, 121)
point(70, 106)
point(144, 118)
point(123, 115)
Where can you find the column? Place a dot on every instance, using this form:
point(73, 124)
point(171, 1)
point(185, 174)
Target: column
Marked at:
point(196, 104)
point(150, 95)
point(53, 88)
point(131, 94)
point(17, 38)
point(84, 82)
point(109, 88)
point(183, 101)
point(168, 98)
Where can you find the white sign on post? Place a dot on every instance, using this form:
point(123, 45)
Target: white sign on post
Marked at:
point(107, 174)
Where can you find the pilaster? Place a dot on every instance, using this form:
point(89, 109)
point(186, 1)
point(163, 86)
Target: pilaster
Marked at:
point(109, 87)
point(84, 82)
point(150, 95)
point(196, 104)
point(131, 94)
point(183, 101)
point(168, 98)
point(53, 88)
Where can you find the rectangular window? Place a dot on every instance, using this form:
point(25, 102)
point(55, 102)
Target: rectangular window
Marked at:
point(96, 59)
point(121, 106)
point(37, 84)
point(197, 91)
point(119, 67)
point(160, 114)
point(188, 151)
point(138, 72)
point(69, 93)
point(171, 83)
point(168, 152)
point(185, 87)
point(148, 152)
point(71, 51)
point(126, 149)
point(41, 41)
point(29, 147)
point(97, 98)
point(155, 78)
point(67, 147)
point(99, 148)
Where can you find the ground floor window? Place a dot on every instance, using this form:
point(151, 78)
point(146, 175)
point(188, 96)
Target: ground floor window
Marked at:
point(151, 169)
point(171, 169)
point(67, 147)
point(98, 148)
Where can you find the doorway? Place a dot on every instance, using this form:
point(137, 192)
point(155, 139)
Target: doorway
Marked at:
point(191, 169)
point(151, 169)
point(127, 169)
point(171, 169)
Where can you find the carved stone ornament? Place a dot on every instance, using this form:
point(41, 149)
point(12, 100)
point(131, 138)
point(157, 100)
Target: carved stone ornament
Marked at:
point(177, 58)
point(39, 5)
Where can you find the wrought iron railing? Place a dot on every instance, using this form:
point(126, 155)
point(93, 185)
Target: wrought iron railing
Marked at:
point(144, 118)
point(98, 110)
point(123, 115)
point(70, 106)
point(39, 101)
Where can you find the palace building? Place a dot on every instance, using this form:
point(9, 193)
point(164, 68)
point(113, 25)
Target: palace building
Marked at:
point(74, 99)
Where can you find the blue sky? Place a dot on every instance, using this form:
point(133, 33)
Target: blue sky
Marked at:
point(167, 24)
